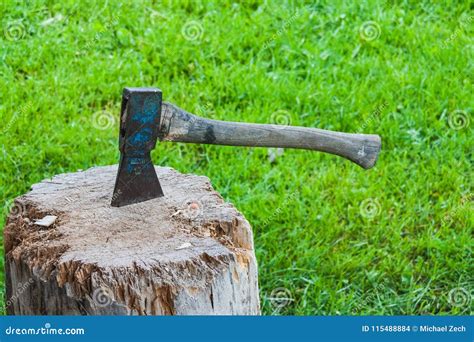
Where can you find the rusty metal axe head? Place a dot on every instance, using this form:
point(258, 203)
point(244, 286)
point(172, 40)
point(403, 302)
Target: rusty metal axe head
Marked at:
point(139, 123)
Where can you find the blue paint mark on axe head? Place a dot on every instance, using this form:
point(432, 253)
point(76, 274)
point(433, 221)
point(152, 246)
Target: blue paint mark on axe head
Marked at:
point(139, 122)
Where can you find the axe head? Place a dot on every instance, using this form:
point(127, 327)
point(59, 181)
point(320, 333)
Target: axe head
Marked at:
point(139, 124)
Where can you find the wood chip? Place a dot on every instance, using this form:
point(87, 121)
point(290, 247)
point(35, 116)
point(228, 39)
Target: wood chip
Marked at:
point(46, 221)
point(184, 246)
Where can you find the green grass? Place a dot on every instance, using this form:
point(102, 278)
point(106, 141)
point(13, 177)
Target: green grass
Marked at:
point(336, 239)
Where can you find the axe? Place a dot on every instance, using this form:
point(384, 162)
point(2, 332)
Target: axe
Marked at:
point(145, 118)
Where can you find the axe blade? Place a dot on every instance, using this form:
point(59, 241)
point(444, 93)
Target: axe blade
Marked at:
point(136, 181)
point(139, 120)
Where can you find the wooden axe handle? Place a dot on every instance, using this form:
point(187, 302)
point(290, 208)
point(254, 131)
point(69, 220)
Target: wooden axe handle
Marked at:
point(181, 126)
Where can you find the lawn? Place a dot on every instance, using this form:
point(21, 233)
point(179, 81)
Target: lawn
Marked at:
point(330, 237)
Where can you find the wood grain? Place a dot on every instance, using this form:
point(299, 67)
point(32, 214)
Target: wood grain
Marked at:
point(187, 253)
point(181, 126)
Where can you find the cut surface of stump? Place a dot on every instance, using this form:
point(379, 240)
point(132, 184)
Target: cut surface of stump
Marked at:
point(188, 252)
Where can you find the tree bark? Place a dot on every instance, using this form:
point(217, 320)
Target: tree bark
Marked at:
point(186, 253)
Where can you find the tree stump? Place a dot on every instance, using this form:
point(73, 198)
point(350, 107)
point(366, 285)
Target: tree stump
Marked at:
point(186, 253)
